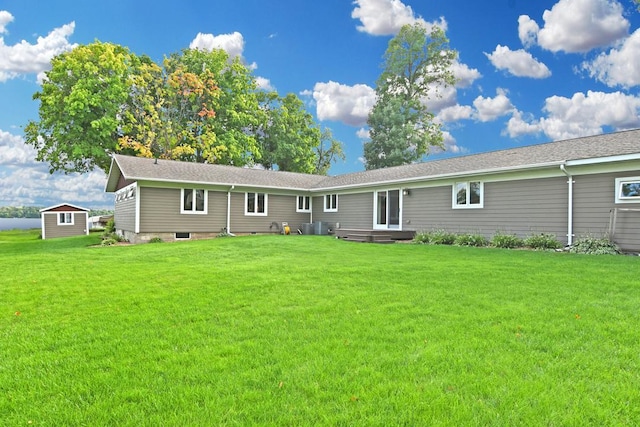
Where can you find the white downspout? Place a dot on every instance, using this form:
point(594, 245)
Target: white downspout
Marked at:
point(570, 206)
point(229, 209)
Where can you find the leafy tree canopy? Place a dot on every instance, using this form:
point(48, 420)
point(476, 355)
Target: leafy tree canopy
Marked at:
point(199, 106)
point(401, 129)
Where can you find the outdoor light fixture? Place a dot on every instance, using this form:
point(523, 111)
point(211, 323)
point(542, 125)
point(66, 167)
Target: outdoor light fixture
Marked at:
point(406, 192)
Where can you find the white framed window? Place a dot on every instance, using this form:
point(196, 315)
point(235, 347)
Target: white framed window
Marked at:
point(468, 195)
point(303, 204)
point(65, 218)
point(331, 203)
point(628, 190)
point(256, 204)
point(193, 201)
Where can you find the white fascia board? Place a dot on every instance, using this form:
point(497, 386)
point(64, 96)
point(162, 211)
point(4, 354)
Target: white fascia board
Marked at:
point(468, 174)
point(147, 182)
point(600, 160)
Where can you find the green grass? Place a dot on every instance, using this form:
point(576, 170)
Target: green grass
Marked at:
point(309, 330)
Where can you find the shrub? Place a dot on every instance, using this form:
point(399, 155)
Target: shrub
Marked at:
point(542, 241)
point(471, 239)
point(110, 227)
point(507, 241)
point(109, 242)
point(155, 239)
point(594, 246)
point(435, 237)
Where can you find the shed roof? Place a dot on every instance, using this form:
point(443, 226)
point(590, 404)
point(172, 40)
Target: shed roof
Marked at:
point(61, 206)
point(599, 148)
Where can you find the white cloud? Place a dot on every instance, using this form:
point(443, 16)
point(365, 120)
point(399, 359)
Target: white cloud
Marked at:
point(5, 18)
point(582, 25)
point(580, 115)
point(464, 75)
point(347, 104)
point(619, 66)
point(519, 62)
point(23, 58)
point(489, 109)
point(13, 150)
point(455, 113)
point(264, 84)
point(232, 43)
point(386, 17)
point(25, 182)
point(527, 30)
point(363, 133)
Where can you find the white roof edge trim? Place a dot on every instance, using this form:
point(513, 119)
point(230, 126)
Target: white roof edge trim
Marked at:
point(609, 159)
point(444, 176)
point(222, 184)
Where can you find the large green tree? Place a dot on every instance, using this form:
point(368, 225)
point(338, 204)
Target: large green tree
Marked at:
point(327, 152)
point(199, 106)
point(289, 136)
point(80, 102)
point(401, 128)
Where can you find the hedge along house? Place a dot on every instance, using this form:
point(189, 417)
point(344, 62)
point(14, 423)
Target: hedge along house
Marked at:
point(64, 220)
point(582, 186)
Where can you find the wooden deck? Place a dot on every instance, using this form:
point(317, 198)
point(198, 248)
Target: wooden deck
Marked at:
point(373, 236)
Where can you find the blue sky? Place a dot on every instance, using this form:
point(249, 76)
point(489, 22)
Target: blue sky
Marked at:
point(529, 71)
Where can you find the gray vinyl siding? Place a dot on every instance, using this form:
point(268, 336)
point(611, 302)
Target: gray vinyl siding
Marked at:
point(594, 198)
point(516, 207)
point(160, 212)
point(53, 230)
point(354, 211)
point(124, 216)
point(280, 208)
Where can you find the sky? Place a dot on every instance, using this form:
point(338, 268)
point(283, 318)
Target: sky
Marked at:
point(528, 72)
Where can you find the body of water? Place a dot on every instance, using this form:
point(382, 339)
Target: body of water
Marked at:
point(22, 223)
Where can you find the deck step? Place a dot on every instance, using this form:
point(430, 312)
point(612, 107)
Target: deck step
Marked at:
point(369, 238)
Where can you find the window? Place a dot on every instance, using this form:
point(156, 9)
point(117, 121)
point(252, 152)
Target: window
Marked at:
point(65, 218)
point(628, 190)
point(194, 201)
point(183, 236)
point(255, 204)
point(468, 194)
point(303, 204)
point(331, 203)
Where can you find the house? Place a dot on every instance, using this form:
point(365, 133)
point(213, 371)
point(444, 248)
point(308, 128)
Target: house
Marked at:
point(99, 222)
point(64, 220)
point(569, 188)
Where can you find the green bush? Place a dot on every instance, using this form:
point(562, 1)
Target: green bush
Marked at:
point(594, 246)
point(507, 241)
point(471, 239)
point(110, 227)
point(542, 241)
point(435, 237)
point(155, 239)
point(109, 242)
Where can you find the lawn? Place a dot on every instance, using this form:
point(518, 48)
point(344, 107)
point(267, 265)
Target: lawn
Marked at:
point(310, 330)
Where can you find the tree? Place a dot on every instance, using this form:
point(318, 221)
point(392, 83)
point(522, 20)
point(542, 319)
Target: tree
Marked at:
point(289, 136)
point(80, 101)
point(328, 151)
point(401, 128)
point(236, 105)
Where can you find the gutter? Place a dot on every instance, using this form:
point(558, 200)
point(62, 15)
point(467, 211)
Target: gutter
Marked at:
point(570, 182)
point(229, 208)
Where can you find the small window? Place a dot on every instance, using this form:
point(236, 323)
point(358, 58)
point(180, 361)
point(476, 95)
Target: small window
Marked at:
point(303, 204)
point(65, 218)
point(331, 203)
point(194, 201)
point(628, 190)
point(468, 195)
point(183, 235)
point(255, 204)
